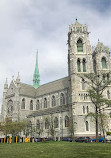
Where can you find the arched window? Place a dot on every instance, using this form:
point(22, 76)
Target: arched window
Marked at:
point(78, 65)
point(79, 46)
point(56, 122)
point(87, 126)
point(38, 124)
point(62, 99)
point(23, 104)
point(45, 102)
point(53, 101)
point(84, 65)
point(46, 123)
point(108, 94)
point(31, 105)
point(67, 123)
point(10, 107)
point(87, 109)
point(104, 66)
point(83, 84)
point(83, 110)
point(37, 105)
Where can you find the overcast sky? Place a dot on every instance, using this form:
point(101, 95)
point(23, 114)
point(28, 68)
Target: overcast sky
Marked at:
point(28, 25)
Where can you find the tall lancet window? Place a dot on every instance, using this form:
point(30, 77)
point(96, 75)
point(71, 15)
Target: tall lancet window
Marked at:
point(45, 102)
point(53, 101)
point(31, 105)
point(108, 94)
point(83, 84)
point(103, 60)
point(78, 65)
point(23, 104)
point(79, 46)
point(84, 65)
point(87, 126)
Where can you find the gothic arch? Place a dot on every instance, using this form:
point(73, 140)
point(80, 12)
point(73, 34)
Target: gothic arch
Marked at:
point(10, 107)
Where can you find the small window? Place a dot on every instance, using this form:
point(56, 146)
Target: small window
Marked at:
point(37, 105)
point(23, 104)
point(84, 65)
point(83, 84)
point(67, 123)
point(31, 105)
point(87, 126)
point(45, 102)
point(79, 46)
point(87, 109)
point(83, 110)
point(104, 66)
point(62, 99)
point(78, 65)
point(53, 101)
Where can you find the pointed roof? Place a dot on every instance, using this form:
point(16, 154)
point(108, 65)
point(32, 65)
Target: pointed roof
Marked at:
point(77, 23)
point(36, 76)
point(100, 47)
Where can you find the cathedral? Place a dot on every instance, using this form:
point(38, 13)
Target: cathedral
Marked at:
point(58, 101)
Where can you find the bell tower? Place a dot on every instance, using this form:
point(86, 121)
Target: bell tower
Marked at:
point(79, 56)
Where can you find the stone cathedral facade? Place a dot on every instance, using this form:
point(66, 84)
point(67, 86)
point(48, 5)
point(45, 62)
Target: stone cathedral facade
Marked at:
point(62, 99)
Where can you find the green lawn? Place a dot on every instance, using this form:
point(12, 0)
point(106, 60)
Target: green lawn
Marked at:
point(55, 150)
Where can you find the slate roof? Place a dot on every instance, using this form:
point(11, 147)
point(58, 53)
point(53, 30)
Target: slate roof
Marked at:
point(27, 90)
point(50, 87)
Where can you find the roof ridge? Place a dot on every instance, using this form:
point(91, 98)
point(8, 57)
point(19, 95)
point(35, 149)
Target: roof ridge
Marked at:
point(54, 81)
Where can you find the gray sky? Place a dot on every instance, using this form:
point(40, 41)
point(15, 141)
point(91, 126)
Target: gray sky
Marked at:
point(28, 25)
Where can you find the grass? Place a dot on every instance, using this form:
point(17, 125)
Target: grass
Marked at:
point(55, 150)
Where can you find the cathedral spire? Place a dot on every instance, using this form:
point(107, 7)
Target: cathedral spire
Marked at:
point(36, 76)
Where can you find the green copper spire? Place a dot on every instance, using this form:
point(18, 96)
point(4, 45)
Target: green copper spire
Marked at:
point(36, 76)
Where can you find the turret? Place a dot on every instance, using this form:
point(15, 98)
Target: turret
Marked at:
point(6, 85)
point(101, 58)
point(18, 79)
